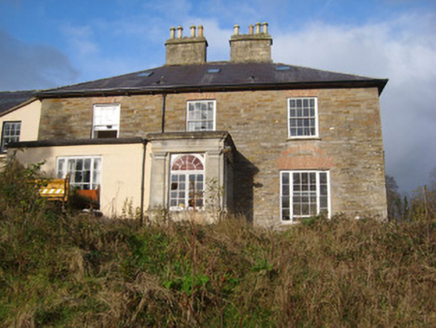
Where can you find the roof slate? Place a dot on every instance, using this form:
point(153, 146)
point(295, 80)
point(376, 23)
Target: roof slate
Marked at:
point(10, 99)
point(176, 78)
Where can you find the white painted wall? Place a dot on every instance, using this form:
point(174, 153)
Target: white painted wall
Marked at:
point(29, 116)
point(120, 176)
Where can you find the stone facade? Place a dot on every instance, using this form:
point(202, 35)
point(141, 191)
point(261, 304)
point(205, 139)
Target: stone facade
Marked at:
point(249, 146)
point(349, 143)
point(71, 118)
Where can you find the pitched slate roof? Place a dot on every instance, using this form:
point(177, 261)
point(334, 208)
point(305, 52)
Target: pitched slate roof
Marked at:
point(10, 99)
point(216, 76)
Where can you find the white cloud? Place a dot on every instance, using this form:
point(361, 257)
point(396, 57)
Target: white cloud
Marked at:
point(81, 39)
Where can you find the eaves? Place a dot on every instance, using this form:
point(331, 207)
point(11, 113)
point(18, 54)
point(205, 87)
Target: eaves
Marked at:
point(167, 89)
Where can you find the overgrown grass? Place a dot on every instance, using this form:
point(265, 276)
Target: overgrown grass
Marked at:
point(80, 271)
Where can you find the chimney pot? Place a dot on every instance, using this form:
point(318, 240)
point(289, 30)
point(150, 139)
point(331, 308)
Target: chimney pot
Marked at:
point(187, 50)
point(265, 28)
point(192, 31)
point(236, 29)
point(200, 31)
point(252, 47)
point(172, 32)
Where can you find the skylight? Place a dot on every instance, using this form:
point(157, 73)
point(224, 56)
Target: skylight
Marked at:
point(147, 74)
point(213, 70)
point(283, 68)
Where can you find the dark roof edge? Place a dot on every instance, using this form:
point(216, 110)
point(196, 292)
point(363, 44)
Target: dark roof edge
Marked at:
point(379, 83)
point(24, 103)
point(77, 142)
point(120, 141)
point(187, 135)
point(225, 135)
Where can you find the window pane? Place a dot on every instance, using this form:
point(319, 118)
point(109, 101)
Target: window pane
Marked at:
point(323, 178)
point(296, 210)
point(285, 190)
point(84, 172)
point(298, 103)
point(61, 173)
point(285, 202)
point(285, 178)
point(106, 121)
point(188, 182)
point(309, 194)
point(286, 215)
point(323, 190)
point(87, 164)
point(323, 203)
point(200, 116)
point(78, 177)
point(302, 117)
point(10, 133)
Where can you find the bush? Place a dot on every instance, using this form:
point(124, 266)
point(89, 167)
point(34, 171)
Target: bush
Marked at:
point(77, 271)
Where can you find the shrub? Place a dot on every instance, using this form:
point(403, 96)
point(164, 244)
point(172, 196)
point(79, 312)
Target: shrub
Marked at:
point(77, 271)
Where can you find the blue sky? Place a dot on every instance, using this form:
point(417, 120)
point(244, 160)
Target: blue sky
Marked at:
point(49, 43)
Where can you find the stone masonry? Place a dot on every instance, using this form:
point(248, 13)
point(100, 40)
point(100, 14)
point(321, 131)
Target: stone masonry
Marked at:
point(186, 50)
point(252, 47)
point(349, 143)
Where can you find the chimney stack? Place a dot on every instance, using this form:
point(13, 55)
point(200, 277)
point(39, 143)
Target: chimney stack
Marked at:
point(252, 47)
point(186, 50)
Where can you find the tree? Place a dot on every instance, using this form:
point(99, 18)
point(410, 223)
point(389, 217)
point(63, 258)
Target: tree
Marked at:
point(396, 209)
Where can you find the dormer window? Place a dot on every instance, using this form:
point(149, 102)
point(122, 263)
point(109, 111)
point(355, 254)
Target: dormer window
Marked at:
point(201, 115)
point(106, 121)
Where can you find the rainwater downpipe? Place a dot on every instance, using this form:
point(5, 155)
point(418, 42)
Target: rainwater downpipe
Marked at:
point(141, 218)
point(164, 96)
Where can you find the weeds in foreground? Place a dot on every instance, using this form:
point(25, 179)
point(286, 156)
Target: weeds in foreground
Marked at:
point(82, 271)
point(85, 271)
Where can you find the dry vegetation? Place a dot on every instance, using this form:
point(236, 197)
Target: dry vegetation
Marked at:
point(81, 271)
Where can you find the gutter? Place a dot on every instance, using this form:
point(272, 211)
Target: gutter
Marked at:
point(379, 83)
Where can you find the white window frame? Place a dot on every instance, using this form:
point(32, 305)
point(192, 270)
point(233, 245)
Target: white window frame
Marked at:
point(173, 190)
point(305, 134)
point(10, 137)
point(290, 193)
point(108, 122)
point(190, 120)
point(95, 175)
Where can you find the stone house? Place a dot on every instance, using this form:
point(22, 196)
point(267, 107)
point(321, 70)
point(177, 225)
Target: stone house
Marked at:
point(274, 142)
